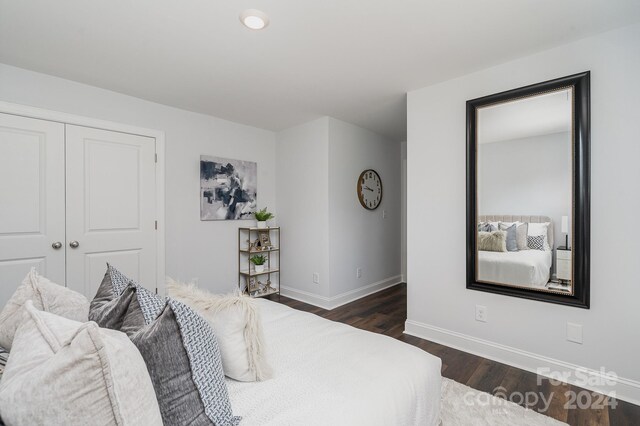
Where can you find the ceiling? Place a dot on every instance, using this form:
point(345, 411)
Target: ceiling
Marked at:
point(353, 60)
point(534, 116)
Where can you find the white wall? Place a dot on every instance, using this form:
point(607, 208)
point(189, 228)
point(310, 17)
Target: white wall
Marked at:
point(403, 213)
point(360, 237)
point(303, 203)
point(524, 332)
point(529, 176)
point(325, 230)
point(194, 249)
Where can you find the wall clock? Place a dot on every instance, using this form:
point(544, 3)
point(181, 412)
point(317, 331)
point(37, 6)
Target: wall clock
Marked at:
point(369, 189)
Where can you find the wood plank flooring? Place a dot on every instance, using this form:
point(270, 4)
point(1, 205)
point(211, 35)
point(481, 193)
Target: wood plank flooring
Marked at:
point(385, 312)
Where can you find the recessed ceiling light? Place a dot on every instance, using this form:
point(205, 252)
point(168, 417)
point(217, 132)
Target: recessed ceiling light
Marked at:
point(254, 19)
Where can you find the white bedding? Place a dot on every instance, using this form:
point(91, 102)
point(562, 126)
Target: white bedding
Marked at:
point(529, 268)
point(327, 373)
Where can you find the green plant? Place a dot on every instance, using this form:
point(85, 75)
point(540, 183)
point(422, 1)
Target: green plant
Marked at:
point(258, 259)
point(264, 215)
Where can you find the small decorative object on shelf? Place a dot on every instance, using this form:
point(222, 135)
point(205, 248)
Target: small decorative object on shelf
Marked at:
point(262, 216)
point(258, 261)
point(259, 247)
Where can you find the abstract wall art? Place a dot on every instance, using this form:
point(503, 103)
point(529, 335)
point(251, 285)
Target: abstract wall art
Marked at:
point(228, 188)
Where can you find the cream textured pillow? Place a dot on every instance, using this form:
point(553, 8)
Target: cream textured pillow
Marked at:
point(492, 241)
point(63, 372)
point(235, 319)
point(46, 296)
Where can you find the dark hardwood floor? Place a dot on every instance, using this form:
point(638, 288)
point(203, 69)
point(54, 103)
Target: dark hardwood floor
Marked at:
point(385, 312)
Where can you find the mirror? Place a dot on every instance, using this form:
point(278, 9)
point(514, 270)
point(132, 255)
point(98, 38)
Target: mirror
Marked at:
point(528, 192)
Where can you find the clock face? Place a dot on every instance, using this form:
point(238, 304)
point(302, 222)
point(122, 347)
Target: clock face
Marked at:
point(369, 189)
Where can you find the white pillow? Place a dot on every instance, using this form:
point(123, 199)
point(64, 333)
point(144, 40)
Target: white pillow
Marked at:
point(535, 229)
point(235, 320)
point(46, 296)
point(63, 372)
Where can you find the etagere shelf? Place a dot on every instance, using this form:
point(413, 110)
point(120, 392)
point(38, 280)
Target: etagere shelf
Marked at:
point(259, 241)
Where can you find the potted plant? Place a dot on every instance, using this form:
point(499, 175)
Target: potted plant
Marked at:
point(262, 216)
point(258, 261)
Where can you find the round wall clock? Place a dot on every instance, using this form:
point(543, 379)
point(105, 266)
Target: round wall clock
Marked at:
point(369, 189)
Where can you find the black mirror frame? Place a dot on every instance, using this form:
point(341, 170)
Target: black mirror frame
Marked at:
point(581, 193)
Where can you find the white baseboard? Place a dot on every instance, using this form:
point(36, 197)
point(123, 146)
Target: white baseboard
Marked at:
point(624, 389)
point(340, 299)
point(306, 297)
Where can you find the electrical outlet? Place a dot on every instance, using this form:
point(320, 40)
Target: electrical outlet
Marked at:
point(358, 272)
point(316, 278)
point(384, 214)
point(481, 313)
point(574, 332)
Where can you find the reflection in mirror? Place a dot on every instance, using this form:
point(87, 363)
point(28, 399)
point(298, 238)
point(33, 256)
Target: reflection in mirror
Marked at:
point(524, 192)
point(528, 192)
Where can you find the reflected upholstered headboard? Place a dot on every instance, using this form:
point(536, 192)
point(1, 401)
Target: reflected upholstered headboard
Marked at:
point(528, 219)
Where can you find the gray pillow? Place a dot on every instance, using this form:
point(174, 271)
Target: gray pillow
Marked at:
point(492, 241)
point(512, 242)
point(111, 307)
point(180, 351)
point(486, 227)
point(111, 287)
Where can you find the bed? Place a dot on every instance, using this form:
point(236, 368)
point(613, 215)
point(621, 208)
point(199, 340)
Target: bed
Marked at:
point(525, 268)
point(327, 373)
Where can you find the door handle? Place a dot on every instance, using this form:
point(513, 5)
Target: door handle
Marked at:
point(74, 244)
point(57, 245)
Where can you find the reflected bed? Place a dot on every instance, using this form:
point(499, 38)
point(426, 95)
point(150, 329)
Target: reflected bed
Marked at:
point(526, 268)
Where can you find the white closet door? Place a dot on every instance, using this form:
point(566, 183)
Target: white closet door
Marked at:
point(31, 201)
point(111, 205)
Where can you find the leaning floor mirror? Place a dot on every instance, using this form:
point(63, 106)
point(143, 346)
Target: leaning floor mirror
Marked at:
point(528, 191)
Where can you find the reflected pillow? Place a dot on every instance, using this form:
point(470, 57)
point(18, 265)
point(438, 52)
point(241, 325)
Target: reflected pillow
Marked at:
point(512, 243)
point(535, 229)
point(492, 241)
point(521, 235)
point(536, 242)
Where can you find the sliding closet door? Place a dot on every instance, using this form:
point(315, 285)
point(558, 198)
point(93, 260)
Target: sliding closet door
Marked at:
point(32, 224)
point(111, 205)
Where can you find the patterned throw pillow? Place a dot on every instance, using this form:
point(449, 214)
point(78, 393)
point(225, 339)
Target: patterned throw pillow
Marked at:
point(118, 280)
point(109, 306)
point(206, 363)
point(535, 242)
point(4, 355)
point(181, 353)
point(151, 304)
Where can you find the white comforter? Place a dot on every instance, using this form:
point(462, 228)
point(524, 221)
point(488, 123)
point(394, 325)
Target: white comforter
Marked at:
point(529, 268)
point(327, 373)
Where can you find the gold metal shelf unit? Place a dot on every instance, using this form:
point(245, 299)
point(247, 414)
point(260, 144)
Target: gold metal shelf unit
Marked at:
point(255, 241)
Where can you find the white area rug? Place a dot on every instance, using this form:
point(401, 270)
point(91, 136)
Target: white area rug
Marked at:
point(464, 406)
